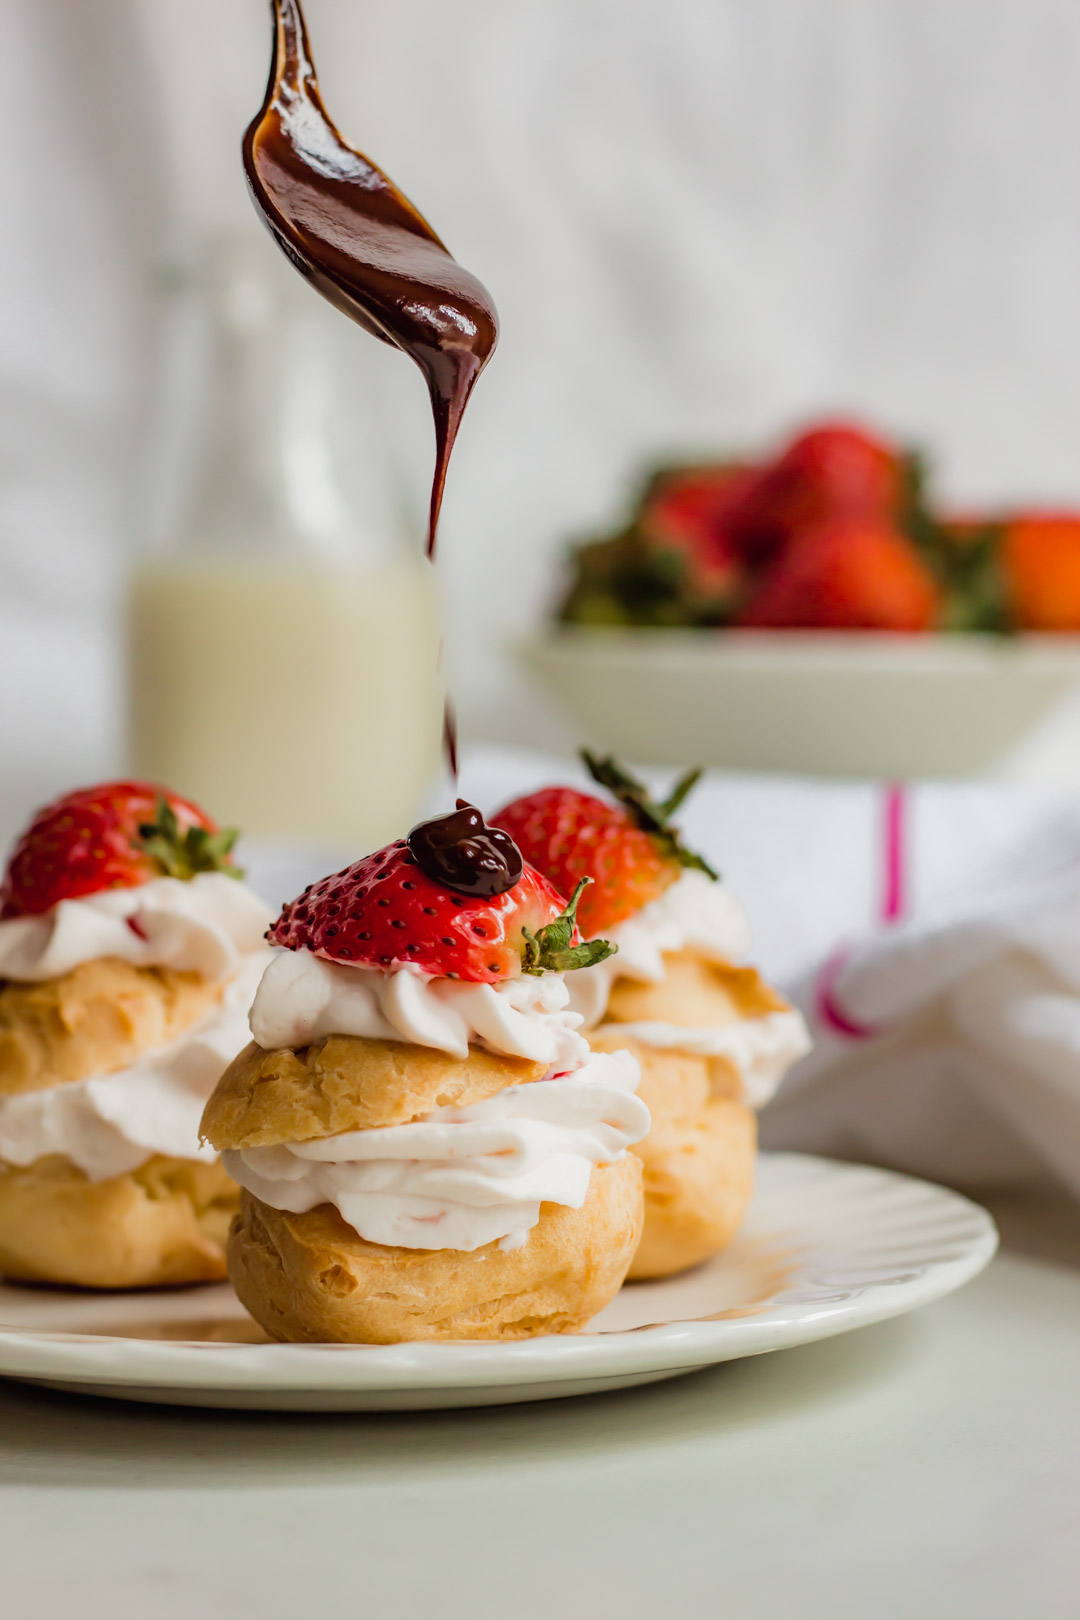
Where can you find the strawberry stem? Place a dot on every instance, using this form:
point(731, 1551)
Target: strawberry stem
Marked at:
point(182, 854)
point(549, 950)
point(651, 818)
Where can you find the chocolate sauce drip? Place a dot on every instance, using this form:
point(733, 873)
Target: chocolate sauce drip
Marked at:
point(449, 739)
point(464, 854)
point(363, 245)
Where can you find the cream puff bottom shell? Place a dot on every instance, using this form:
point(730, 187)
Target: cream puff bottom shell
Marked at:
point(698, 1158)
point(698, 1180)
point(162, 1224)
point(311, 1278)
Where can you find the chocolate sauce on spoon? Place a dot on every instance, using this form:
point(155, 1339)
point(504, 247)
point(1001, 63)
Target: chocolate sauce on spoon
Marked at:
point(353, 235)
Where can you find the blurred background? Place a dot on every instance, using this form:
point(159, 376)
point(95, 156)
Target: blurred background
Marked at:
point(704, 223)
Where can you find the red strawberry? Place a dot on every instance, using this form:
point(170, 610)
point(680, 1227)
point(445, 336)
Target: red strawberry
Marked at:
point(833, 470)
point(1040, 560)
point(628, 849)
point(852, 574)
point(455, 900)
point(685, 511)
point(113, 836)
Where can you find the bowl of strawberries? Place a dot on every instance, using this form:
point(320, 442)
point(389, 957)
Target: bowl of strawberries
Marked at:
point(817, 612)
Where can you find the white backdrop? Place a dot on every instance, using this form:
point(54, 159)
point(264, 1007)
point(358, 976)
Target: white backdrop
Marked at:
point(700, 219)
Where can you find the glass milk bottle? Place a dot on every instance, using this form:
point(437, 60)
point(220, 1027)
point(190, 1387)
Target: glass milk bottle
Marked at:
point(283, 632)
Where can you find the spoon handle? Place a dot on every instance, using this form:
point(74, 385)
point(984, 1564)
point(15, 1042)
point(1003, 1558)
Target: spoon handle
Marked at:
point(291, 65)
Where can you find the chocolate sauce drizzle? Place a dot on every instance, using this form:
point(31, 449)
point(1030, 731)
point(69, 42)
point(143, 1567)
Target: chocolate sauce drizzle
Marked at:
point(349, 230)
point(449, 739)
point(461, 852)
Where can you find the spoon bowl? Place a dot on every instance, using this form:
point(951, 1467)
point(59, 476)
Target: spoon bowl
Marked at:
point(359, 241)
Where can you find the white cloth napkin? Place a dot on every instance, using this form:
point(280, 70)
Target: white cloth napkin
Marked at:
point(931, 936)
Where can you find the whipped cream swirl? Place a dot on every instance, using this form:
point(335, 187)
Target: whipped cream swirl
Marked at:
point(458, 1178)
point(694, 913)
point(303, 997)
point(206, 925)
point(110, 1124)
point(760, 1050)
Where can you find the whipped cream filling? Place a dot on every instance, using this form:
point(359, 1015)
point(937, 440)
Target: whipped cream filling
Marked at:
point(206, 926)
point(303, 997)
point(461, 1177)
point(110, 1124)
point(761, 1050)
point(694, 913)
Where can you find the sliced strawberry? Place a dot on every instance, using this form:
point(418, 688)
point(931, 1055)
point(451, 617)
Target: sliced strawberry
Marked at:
point(628, 848)
point(114, 836)
point(434, 902)
point(851, 574)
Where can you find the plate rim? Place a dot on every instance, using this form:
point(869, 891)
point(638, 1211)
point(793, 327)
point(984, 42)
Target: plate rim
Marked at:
point(90, 1359)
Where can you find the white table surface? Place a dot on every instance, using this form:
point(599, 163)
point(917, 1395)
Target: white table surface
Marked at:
point(927, 1467)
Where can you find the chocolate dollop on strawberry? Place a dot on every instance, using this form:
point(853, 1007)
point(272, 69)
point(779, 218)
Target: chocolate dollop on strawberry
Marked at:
point(460, 851)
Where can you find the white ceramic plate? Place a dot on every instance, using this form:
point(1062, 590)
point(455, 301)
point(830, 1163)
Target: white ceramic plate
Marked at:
point(825, 1248)
point(808, 701)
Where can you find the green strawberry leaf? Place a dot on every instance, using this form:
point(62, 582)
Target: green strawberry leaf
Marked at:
point(182, 854)
point(549, 950)
point(651, 818)
point(682, 790)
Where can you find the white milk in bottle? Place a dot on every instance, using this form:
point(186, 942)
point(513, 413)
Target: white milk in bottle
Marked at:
point(283, 631)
